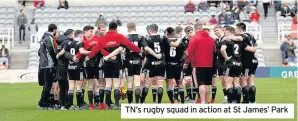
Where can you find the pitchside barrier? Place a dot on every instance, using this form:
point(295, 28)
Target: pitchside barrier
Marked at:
point(22, 76)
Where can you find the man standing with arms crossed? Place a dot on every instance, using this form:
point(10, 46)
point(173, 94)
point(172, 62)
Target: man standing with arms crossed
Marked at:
point(202, 45)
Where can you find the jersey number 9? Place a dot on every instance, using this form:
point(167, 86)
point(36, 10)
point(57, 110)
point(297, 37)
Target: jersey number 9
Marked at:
point(157, 47)
point(173, 51)
point(72, 51)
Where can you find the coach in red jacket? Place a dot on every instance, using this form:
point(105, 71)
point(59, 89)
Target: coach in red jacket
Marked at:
point(200, 51)
point(110, 42)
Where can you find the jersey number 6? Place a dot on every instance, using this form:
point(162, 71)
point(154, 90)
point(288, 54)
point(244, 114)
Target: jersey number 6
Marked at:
point(173, 51)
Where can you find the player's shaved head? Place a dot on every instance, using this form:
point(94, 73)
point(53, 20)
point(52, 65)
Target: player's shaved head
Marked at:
point(198, 27)
point(131, 27)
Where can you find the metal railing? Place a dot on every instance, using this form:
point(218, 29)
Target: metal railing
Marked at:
point(9, 37)
point(283, 29)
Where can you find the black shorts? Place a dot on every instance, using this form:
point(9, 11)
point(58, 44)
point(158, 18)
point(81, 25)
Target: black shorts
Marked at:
point(156, 70)
point(221, 71)
point(233, 71)
point(112, 70)
point(204, 75)
point(77, 75)
point(187, 71)
point(174, 72)
point(92, 72)
point(249, 68)
point(133, 70)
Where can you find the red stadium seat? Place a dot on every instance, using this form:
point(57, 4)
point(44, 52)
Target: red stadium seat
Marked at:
point(295, 31)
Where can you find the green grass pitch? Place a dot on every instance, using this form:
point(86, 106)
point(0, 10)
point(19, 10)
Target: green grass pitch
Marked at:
point(18, 103)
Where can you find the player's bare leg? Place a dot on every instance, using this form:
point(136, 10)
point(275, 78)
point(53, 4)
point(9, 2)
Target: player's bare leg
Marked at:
point(159, 84)
point(138, 90)
point(130, 80)
point(79, 93)
point(100, 95)
point(83, 90)
point(230, 89)
point(175, 92)
point(70, 94)
point(116, 83)
point(195, 88)
point(91, 86)
point(52, 100)
point(147, 84)
point(214, 89)
point(188, 86)
point(181, 90)
point(154, 90)
point(252, 89)
point(170, 89)
point(223, 85)
point(237, 89)
point(56, 95)
point(108, 90)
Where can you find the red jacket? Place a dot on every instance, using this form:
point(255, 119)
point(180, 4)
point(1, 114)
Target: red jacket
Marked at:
point(89, 44)
point(190, 7)
point(112, 39)
point(37, 1)
point(201, 49)
point(255, 16)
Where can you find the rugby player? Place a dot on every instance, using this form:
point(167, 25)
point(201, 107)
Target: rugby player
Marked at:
point(110, 42)
point(62, 66)
point(214, 87)
point(220, 61)
point(190, 84)
point(232, 52)
point(174, 55)
point(250, 63)
point(154, 45)
point(76, 71)
point(100, 83)
point(133, 62)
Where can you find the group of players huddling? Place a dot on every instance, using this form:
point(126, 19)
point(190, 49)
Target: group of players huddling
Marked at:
point(107, 59)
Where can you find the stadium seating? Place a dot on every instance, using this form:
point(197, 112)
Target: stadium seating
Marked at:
point(7, 18)
point(33, 57)
point(144, 14)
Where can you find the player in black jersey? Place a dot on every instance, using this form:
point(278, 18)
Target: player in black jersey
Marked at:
point(133, 62)
point(220, 61)
point(174, 55)
point(155, 63)
point(76, 70)
point(190, 84)
point(249, 64)
point(232, 51)
point(61, 75)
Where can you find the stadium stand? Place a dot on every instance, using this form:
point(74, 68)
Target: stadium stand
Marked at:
point(143, 14)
